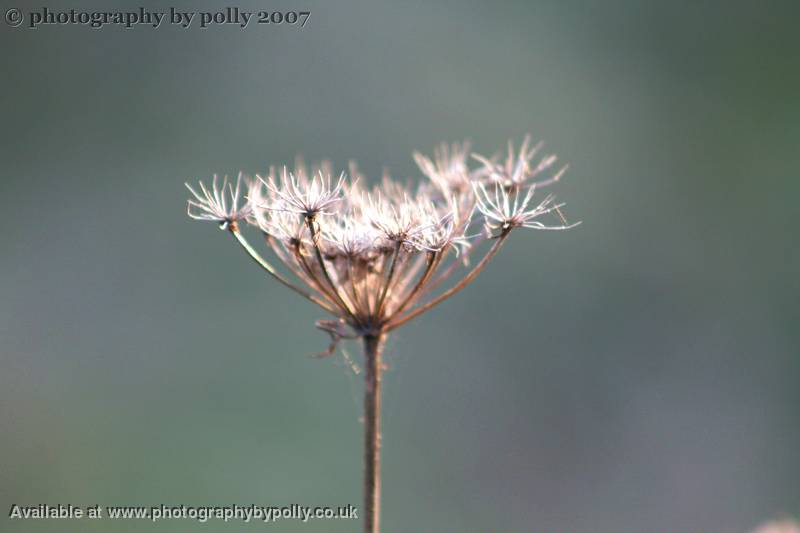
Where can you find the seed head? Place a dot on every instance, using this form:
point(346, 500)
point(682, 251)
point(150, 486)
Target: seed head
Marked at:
point(448, 169)
point(304, 196)
point(374, 257)
point(519, 170)
point(505, 210)
point(220, 204)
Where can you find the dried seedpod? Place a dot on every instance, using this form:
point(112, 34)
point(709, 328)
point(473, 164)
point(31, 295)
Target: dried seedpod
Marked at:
point(375, 258)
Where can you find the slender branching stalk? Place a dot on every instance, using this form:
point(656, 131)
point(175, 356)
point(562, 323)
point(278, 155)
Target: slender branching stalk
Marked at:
point(271, 270)
point(466, 280)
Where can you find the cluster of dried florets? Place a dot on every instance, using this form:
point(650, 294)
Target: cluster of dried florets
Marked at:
point(373, 256)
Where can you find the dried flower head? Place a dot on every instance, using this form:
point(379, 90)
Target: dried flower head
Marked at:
point(220, 204)
point(519, 170)
point(448, 169)
point(504, 210)
point(296, 193)
point(375, 257)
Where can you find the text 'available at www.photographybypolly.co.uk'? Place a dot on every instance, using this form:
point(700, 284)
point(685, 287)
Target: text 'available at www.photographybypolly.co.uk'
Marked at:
point(200, 513)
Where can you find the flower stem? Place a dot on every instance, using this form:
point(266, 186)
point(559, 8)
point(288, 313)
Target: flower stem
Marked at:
point(373, 349)
point(325, 273)
point(274, 273)
point(466, 280)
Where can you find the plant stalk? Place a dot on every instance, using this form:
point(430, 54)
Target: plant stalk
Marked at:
point(373, 350)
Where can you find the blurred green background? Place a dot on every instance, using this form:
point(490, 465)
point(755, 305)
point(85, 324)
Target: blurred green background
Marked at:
point(637, 374)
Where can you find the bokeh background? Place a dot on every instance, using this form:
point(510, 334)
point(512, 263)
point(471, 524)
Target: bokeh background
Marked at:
point(637, 374)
